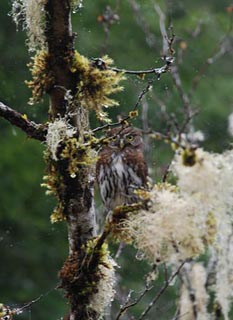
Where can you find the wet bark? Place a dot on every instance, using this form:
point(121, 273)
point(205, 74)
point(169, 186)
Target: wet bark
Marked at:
point(78, 196)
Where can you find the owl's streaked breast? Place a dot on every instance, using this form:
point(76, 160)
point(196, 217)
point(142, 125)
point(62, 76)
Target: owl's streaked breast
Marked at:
point(117, 182)
point(121, 167)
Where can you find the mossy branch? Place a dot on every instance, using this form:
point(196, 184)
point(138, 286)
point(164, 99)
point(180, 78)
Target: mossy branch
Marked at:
point(32, 129)
point(156, 71)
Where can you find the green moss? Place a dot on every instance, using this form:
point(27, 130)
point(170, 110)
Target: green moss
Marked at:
point(77, 154)
point(72, 156)
point(95, 85)
point(54, 183)
point(82, 272)
point(189, 157)
point(42, 78)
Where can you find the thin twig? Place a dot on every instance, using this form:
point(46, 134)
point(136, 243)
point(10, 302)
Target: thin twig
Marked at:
point(161, 291)
point(119, 250)
point(220, 53)
point(128, 305)
point(158, 71)
point(16, 311)
point(167, 49)
point(129, 116)
point(168, 138)
point(141, 21)
point(163, 31)
point(149, 278)
point(32, 129)
point(107, 19)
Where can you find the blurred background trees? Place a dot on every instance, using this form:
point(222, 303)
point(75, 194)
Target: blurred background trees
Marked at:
point(32, 250)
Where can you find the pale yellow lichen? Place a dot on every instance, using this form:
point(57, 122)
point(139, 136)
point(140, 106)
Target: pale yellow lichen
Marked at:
point(104, 292)
point(58, 131)
point(182, 220)
point(169, 231)
point(31, 14)
point(194, 283)
point(209, 184)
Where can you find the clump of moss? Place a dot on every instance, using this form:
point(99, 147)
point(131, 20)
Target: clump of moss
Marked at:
point(77, 155)
point(54, 183)
point(189, 157)
point(42, 78)
point(95, 84)
point(88, 277)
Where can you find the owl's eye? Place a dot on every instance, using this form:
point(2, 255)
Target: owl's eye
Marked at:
point(130, 138)
point(114, 138)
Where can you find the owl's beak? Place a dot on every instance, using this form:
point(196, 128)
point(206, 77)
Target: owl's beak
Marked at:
point(122, 144)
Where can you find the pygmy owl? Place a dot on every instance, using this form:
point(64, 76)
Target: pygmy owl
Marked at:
point(121, 167)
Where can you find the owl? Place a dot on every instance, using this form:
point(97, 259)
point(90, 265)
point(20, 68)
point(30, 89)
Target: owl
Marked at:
point(121, 167)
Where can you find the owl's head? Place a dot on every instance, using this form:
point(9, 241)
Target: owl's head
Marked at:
point(120, 138)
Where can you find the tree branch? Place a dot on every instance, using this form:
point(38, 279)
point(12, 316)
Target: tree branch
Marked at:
point(157, 71)
point(142, 22)
point(161, 291)
point(32, 129)
point(129, 305)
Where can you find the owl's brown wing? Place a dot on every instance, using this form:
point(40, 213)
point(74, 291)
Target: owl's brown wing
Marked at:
point(135, 159)
point(104, 160)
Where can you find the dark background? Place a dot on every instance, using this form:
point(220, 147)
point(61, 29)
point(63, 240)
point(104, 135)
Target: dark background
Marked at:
point(32, 250)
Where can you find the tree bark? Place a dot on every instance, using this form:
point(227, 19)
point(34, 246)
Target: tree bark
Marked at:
point(78, 195)
point(32, 129)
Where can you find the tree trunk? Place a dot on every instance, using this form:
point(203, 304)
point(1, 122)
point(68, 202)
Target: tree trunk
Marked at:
point(78, 200)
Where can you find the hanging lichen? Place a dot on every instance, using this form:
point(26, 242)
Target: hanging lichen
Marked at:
point(42, 78)
point(31, 15)
point(95, 84)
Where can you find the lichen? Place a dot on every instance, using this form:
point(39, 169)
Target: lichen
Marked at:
point(31, 15)
point(95, 84)
point(77, 155)
point(65, 155)
point(166, 217)
point(194, 307)
point(58, 131)
point(93, 283)
point(185, 220)
point(117, 221)
point(54, 184)
point(76, 5)
point(104, 293)
point(42, 78)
